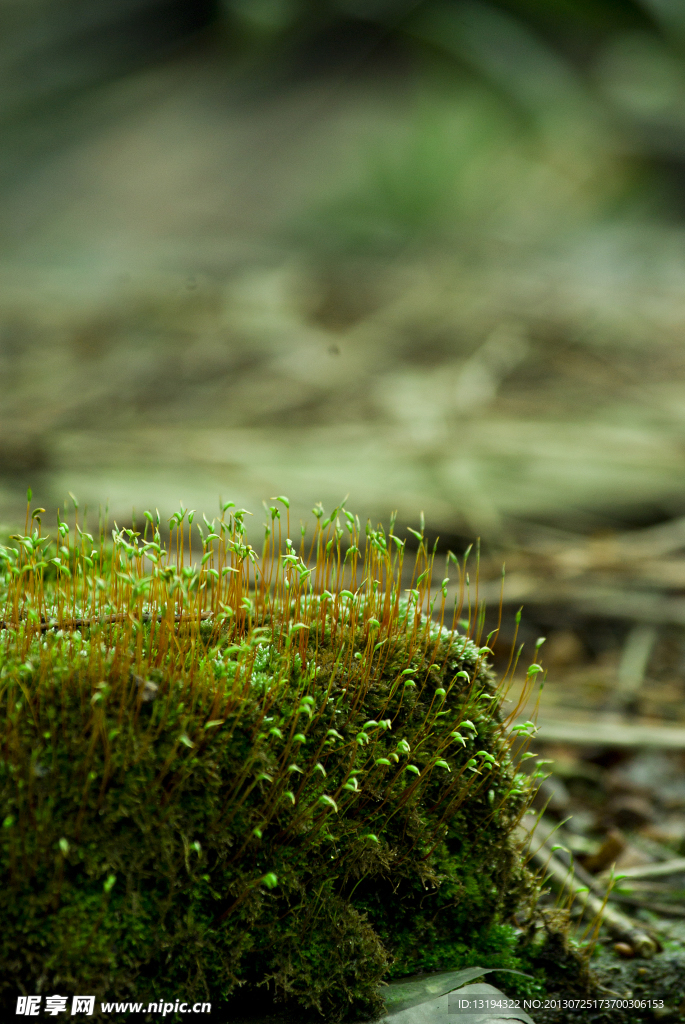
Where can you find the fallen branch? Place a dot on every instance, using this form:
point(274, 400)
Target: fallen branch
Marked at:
point(676, 866)
point(576, 882)
point(663, 909)
point(620, 926)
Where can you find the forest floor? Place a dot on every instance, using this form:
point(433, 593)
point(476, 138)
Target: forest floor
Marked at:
point(187, 311)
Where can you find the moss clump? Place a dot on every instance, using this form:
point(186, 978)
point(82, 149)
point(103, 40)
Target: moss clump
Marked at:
point(221, 770)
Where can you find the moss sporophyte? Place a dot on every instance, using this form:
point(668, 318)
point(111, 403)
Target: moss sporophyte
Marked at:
point(223, 769)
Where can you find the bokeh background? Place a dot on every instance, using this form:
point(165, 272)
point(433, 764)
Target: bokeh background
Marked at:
point(427, 253)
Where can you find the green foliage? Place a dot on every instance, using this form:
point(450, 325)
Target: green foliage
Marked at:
point(222, 770)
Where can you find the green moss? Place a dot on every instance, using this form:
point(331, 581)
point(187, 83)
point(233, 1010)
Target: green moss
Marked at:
point(305, 791)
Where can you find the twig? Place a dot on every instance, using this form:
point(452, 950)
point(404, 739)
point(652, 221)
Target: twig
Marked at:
point(611, 734)
point(595, 883)
point(631, 671)
point(664, 909)
point(604, 602)
point(619, 925)
point(568, 876)
point(676, 866)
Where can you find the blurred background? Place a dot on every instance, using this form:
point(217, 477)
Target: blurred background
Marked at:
point(429, 254)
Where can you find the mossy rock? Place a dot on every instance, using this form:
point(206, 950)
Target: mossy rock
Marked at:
point(212, 790)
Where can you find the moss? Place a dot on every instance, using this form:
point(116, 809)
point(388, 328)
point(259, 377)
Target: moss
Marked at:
point(248, 774)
